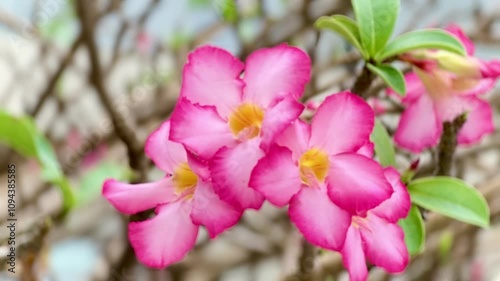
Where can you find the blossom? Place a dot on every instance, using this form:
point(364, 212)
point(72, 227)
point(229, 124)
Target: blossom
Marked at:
point(229, 113)
point(317, 170)
point(183, 200)
point(376, 236)
point(442, 87)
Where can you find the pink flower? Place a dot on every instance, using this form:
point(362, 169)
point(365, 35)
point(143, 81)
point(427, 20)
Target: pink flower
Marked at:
point(441, 88)
point(229, 114)
point(376, 236)
point(183, 200)
point(317, 170)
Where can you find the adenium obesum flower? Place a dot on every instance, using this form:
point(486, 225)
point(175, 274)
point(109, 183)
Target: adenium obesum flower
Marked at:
point(183, 200)
point(375, 235)
point(229, 113)
point(442, 87)
point(319, 171)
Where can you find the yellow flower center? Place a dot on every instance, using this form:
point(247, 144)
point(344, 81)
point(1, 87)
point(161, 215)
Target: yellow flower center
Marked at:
point(184, 179)
point(313, 165)
point(246, 120)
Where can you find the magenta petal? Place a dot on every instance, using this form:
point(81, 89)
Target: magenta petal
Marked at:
point(356, 183)
point(270, 72)
point(211, 77)
point(398, 205)
point(296, 138)
point(231, 169)
point(166, 238)
point(166, 154)
point(483, 86)
point(368, 149)
point(320, 221)
point(353, 256)
point(276, 176)
point(419, 127)
point(133, 198)
point(414, 88)
point(384, 244)
point(278, 118)
point(211, 212)
point(479, 121)
point(460, 34)
point(199, 128)
point(343, 123)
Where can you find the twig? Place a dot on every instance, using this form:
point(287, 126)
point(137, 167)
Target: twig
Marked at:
point(363, 82)
point(448, 145)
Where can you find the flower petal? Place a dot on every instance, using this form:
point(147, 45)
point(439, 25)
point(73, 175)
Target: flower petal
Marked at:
point(231, 169)
point(211, 212)
point(296, 138)
point(270, 72)
point(320, 221)
point(414, 88)
point(278, 118)
point(460, 34)
point(199, 128)
point(343, 123)
point(166, 154)
point(398, 205)
point(212, 77)
point(356, 183)
point(166, 238)
point(419, 127)
point(479, 121)
point(353, 256)
point(133, 198)
point(384, 244)
point(368, 149)
point(276, 176)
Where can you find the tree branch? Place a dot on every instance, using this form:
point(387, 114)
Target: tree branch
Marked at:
point(448, 145)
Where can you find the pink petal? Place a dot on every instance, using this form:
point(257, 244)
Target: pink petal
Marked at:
point(198, 166)
point(398, 205)
point(460, 34)
point(276, 176)
point(166, 154)
point(419, 128)
point(353, 256)
point(199, 128)
point(414, 88)
point(166, 238)
point(490, 69)
point(356, 183)
point(449, 108)
point(133, 198)
point(368, 149)
point(384, 244)
point(271, 72)
point(231, 169)
point(208, 210)
point(483, 86)
point(211, 77)
point(278, 118)
point(479, 121)
point(320, 221)
point(296, 138)
point(343, 123)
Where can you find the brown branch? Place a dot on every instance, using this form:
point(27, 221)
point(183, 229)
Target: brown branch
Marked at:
point(137, 161)
point(363, 83)
point(448, 145)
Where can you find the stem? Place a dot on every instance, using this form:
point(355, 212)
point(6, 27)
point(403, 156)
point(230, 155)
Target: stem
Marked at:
point(448, 144)
point(363, 82)
point(306, 264)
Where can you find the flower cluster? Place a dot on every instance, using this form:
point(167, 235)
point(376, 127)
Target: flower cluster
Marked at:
point(443, 86)
point(235, 138)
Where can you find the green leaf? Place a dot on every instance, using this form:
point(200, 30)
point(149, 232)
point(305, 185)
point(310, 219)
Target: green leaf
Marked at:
point(414, 229)
point(345, 27)
point(421, 39)
point(227, 9)
point(392, 77)
point(384, 149)
point(376, 20)
point(21, 134)
point(91, 182)
point(451, 197)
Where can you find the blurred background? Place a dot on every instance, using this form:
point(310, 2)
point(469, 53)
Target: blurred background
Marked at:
point(83, 83)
